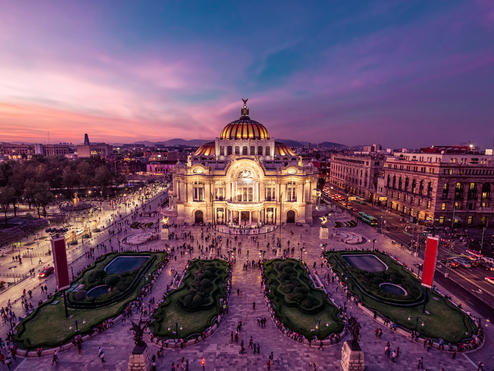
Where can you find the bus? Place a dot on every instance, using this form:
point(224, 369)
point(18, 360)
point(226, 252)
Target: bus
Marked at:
point(366, 218)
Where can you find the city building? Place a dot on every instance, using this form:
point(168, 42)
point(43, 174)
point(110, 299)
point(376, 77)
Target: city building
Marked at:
point(15, 151)
point(89, 149)
point(440, 185)
point(163, 163)
point(52, 150)
point(356, 173)
point(244, 178)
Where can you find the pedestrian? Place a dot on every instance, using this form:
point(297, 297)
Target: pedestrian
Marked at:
point(253, 305)
point(54, 359)
point(420, 364)
point(269, 364)
point(101, 354)
point(480, 366)
point(393, 356)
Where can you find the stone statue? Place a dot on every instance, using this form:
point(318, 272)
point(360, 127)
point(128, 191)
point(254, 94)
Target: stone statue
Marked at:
point(189, 160)
point(300, 162)
point(354, 329)
point(138, 330)
point(324, 220)
point(76, 200)
point(165, 220)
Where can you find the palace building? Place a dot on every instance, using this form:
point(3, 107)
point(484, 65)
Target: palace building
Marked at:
point(244, 178)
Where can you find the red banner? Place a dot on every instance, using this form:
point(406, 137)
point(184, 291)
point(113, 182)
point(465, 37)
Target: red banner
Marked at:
point(430, 261)
point(60, 262)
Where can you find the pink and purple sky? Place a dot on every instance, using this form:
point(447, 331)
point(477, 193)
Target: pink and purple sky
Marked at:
point(400, 73)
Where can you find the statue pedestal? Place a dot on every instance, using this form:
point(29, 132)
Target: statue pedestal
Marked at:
point(139, 360)
point(164, 233)
point(323, 233)
point(352, 359)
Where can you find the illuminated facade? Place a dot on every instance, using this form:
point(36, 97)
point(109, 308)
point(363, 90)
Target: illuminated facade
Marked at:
point(244, 178)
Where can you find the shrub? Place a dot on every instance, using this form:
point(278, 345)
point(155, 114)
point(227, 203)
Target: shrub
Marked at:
point(96, 276)
point(112, 280)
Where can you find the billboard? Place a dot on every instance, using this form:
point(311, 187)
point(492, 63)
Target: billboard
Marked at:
point(60, 262)
point(430, 261)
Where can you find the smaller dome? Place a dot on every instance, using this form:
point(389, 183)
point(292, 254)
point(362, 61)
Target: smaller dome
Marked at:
point(206, 150)
point(282, 150)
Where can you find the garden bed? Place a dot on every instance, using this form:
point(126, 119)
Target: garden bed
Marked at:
point(47, 327)
point(301, 307)
point(420, 310)
point(196, 304)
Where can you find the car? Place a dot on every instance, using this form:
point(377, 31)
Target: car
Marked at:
point(463, 262)
point(490, 279)
point(45, 272)
point(454, 264)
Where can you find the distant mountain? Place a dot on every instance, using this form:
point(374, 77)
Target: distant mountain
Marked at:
point(296, 143)
point(293, 143)
point(332, 145)
point(176, 142)
point(199, 142)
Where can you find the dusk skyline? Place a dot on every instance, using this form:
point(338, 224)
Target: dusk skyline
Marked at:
point(404, 74)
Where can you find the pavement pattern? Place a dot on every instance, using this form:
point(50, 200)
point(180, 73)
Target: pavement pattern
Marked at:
point(218, 350)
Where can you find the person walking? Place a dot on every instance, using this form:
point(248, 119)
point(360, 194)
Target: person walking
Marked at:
point(54, 359)
point(101, 354)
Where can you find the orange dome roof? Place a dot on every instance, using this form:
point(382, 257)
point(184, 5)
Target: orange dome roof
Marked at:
point(207, 149)
point(244, 128)
point(281, 149)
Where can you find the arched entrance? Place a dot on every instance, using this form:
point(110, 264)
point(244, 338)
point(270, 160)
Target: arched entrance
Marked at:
point(290, 216)
point(198, 217)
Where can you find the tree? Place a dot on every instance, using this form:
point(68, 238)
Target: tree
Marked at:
point(7, 194)
point(84, 172)
point(102, 177)
point(70, 178)
point(42, 196)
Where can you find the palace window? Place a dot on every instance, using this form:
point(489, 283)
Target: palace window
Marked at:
point(244, 151)
point(237, 150)
point(198, 195)
point(228, 150)
point(222, 151)
point(259, 150)
point(291, 191)
point(270, 194)
point(268, 152)
point(252, 150)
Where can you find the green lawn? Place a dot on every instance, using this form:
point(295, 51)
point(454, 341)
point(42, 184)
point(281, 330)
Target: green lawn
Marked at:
point(47, 326)
point(443, 321)
point(300, 306)
point(196, 317)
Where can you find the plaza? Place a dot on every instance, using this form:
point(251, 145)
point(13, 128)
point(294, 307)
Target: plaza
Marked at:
point(220, 349)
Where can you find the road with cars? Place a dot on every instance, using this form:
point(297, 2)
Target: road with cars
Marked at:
point(469, 284)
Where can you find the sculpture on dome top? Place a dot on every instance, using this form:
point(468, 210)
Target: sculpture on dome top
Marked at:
point(189, 160)
point(245, 110)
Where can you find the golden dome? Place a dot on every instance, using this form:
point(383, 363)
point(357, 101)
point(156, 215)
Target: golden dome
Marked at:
point(244, 128)
point(281, 149)
point(207, 149)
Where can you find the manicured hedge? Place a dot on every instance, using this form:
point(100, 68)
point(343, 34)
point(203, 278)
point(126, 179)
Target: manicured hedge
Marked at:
point(122, 284)
point(441, 319)
point(295, 300)
point(47, 327)
point(196, 303)
point(369, 282)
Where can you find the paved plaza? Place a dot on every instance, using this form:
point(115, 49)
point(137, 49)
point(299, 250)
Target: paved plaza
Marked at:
point(218, 350)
